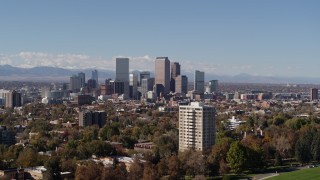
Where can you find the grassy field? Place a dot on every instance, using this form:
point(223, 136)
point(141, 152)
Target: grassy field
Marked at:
point(312, 173)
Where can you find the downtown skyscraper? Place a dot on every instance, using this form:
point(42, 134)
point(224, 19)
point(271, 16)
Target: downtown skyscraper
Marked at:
point(199, 81)
point(175, 71)
point(213, 86)
point(162, 75)
point(122, 73)
point(95, 76)
point(181, 84)
point(82, 77)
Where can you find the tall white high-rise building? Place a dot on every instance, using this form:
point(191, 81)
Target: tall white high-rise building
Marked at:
point(196, 127)
point(199, 81)
point(122, 73)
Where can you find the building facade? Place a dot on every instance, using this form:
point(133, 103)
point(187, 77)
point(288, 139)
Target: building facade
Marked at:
point(199, 81)
point(133, 86)
point(214, 86)
point(181, 86)
point(144, 75)
point(122, 73)
point(196, 127)
point(92, 84)
point(95, 76)
point(88, 118)
point(82, 77)
point(162, 75)
point(146, 85)
point(75, 83)
point(13, 99)
point(175, 71)
point(314, 94)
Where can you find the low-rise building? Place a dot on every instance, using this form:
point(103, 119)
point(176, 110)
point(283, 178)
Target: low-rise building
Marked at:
point(234, 123)
point(13, 173)
point(144, 146)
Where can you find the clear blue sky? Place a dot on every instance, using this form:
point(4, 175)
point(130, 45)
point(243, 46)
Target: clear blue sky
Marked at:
point(270, 37)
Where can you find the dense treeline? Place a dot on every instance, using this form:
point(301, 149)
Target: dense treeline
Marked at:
point(265, 140)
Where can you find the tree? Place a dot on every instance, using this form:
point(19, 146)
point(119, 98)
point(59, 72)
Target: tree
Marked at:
point(237, 157)
point(118, 172)
point(295, 123)
point(279, 119)
point(255, 158)
point(27, 158)
point(127, 141)
point(39, 142)
point(174, 168)
point(53, 168)
point(69, 165)
point(278, 159)
point(100, 148)
point(90, 133)
point(162, 167)
point(282, 145)
point(136, 170)
point(315, 147)
point(303, 147)
point(12, 153)
point(108, 131)
point(89, 170)
point(150, 172)
point(218, 156)
point(255, 153)
point(41, 126)
point(82, 151)
point(193, 162)
point(167, 144)
point(223, 167)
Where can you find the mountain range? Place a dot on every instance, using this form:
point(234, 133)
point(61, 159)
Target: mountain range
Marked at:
point(57, 74)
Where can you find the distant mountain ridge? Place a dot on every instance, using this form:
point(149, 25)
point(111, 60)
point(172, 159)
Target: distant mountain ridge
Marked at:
point(45, 73)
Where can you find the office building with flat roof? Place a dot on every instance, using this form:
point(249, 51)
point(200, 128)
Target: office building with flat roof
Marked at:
point(133, 86)
point(213, 86)
point(199, 81)
point(162, 75)
point(175, 71)
point(144, 75)
point(122, 73)
point(89, 118)
point(95, 76)
point(181, 86)
point(82, 77)
point(314, 94)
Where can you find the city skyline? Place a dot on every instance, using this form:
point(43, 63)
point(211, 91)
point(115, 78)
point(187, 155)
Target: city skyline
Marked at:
point(269, 38)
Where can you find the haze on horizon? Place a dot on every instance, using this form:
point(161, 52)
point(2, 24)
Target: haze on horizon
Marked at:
point(267, 38)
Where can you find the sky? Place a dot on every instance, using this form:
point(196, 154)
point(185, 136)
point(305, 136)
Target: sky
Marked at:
point(266, 37)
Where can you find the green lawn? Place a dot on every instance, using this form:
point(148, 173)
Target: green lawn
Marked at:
point(310, 173)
